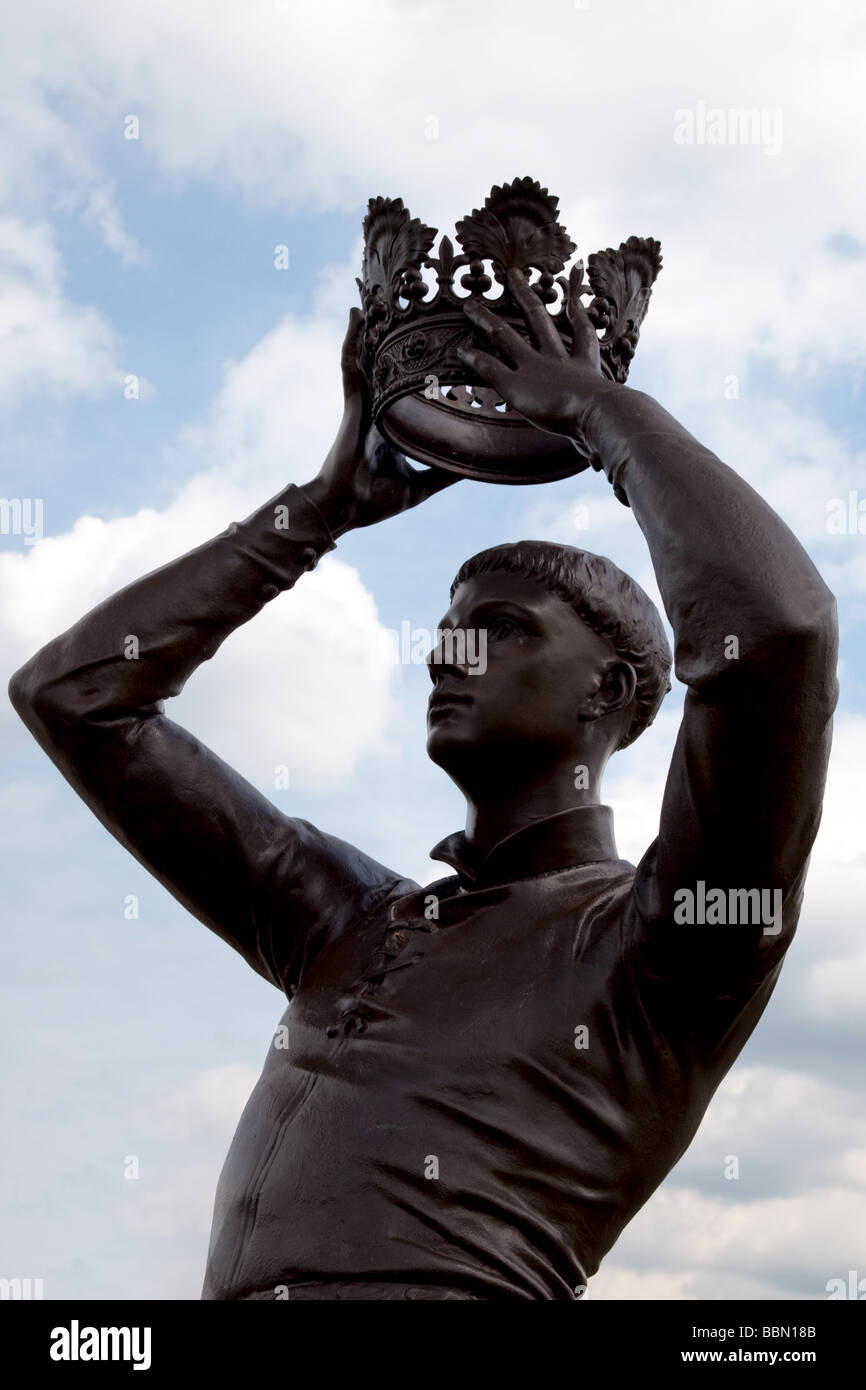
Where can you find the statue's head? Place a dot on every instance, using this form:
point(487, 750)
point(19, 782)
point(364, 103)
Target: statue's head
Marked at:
point(546, 652)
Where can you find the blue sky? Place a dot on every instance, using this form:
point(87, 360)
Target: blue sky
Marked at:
point(270, 124)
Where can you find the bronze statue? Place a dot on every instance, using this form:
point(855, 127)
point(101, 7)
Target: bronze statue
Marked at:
point(482, 1080)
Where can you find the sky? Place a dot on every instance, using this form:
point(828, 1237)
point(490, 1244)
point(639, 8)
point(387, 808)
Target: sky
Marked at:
point(161, 377)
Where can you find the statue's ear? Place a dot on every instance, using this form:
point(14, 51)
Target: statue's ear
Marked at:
point(620, 683)
point(616, 690)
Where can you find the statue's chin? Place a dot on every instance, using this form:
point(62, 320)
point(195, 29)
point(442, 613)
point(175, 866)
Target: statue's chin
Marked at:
point(470, 759)
point(452, 748)
point(442, 747)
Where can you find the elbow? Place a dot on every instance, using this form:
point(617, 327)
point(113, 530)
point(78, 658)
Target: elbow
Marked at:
point(22, 692)
point(803, 613)
point(33, 693)
point(792, 610)
point(783, 653)
point(804, 652)
point(824, 622)
point(826, 645)
point(817, 635)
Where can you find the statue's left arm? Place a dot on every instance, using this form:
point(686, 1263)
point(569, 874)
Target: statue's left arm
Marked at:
point(755, 643)
point(755, 638)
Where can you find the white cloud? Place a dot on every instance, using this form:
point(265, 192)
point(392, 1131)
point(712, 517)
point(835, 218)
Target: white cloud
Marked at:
point(799, 1242)
point(323, 106)
point(832, 948)
point(27, 806)
point(103, 211)
point(206, 1107)
point(280, 691)
point(616, 1281)
point(47, 342)
point(836, 988)
point(299, 107)
point(791, 1220)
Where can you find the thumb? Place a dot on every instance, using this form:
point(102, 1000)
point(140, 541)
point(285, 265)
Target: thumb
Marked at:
point(424, 483)
point(350, 350)
point(585, 338)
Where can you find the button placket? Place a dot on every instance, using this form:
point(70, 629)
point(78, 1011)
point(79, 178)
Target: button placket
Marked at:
point(359, 1014)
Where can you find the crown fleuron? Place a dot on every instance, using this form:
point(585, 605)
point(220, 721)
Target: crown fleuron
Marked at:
point(425, 400)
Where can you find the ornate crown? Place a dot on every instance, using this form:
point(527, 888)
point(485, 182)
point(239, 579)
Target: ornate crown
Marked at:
point(425, 400)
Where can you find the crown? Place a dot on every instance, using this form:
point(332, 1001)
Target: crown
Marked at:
point(425, 400)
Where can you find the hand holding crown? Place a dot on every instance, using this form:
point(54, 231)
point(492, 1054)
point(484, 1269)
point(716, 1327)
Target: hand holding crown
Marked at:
point(553, 386)
point(364, 479)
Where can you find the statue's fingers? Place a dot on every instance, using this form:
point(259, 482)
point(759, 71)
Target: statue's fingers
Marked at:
point(501, 335)
point(585, 338)
point(539, 322)
point(489, 368)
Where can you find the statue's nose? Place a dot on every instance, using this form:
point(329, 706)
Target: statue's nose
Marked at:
point(448, 657)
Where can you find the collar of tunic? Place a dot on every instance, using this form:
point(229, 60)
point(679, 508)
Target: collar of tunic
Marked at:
point(580, 835)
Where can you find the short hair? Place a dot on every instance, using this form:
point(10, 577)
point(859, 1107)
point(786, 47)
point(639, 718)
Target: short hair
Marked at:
point(606, 599)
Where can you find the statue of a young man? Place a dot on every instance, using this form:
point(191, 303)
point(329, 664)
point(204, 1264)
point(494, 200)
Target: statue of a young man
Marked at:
point(484, 1079)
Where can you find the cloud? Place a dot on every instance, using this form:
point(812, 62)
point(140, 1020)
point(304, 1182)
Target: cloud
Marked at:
point(298, 108)
point(783, 1223)
point(46, 342)
point(136, 1172)
point(835, 989)
point(284, 108)
point(796, 1243)
point(103, 211)
point(27, 806)
point(278, 694)
point(616, 1282)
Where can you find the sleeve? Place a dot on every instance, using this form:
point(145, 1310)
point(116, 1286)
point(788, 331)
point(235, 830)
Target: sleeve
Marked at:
point(269, 885)
point(718, 893)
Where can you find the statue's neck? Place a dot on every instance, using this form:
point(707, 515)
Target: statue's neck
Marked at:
point(501, 808)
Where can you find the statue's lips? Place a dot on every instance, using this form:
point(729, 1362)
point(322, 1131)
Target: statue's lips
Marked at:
point(445, 704)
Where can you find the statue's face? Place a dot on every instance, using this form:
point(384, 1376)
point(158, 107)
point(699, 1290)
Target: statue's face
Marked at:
point(522, 697)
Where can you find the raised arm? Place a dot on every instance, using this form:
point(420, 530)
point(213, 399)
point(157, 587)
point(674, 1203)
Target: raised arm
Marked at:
point(93, 698)
point(754, 627)
point(755, 643)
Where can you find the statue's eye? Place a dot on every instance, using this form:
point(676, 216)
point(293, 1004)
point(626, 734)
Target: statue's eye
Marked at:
point(503, 627)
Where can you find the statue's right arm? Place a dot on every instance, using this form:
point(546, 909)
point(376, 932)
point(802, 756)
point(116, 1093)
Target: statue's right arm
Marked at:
point(93, 698)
